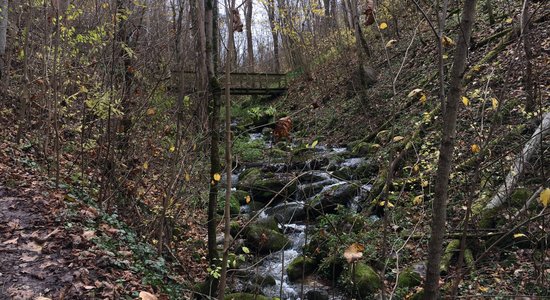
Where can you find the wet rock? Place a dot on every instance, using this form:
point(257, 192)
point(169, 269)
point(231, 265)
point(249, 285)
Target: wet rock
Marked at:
point(286, 212)
point(266, 240)
point(300, 266)
point(266, 186)
point(263, 281)
point(316, 295)
point(331, 196)
point(245, 296)
point(366, 280)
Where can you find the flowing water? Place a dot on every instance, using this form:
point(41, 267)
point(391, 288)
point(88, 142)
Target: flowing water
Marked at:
point(291, 216)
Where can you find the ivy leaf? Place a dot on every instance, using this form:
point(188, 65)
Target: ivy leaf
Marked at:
point(545, 197)
point(354, 252)
point(383, 25)
point(465, 100)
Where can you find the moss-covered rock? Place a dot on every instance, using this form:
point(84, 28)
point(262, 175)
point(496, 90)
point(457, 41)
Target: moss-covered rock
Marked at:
point(365, 149)
point(452, 248)
point(366, 280)
point(266, 240)
point(245, 296)
point(263, 281)
point(409, 278)
point(234, 206)
point(264, 187)
point(301, 265)
point(519, 197)
point(316, 295)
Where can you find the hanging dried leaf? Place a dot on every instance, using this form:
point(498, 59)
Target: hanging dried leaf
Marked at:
point(236, 18)
point(282, 128)
point(354, 252)
point(369, 13)
point(217, 177)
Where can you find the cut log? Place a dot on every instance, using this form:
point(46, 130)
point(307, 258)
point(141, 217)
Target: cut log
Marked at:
point(518, 166)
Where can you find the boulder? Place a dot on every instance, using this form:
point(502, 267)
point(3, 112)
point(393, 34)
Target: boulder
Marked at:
point(234, 206)
point(288, 211)
point(265, 240)
point(245, 296)
point(263, 281)
point(409, 278)
point(366, 280)
point(264, 187)
point(316, 295)
point(331, 196)
point(301, 265)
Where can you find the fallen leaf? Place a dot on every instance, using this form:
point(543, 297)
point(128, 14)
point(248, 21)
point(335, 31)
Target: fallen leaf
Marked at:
point(147, 296)
point(447, 41)
point(518, 235)
point(383, 25)
point(398, 138)
point(88, 234)
point(391, 43)
point(418, 200)
point(151, 111)
point(545, 197)
point(354, 252)
point(414, 93)
point(11, 242)
point(475, 148)
point(465, 100)
point(28, 258)
point(494, 101)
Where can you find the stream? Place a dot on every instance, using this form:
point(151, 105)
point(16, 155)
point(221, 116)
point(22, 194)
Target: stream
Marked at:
point(321, 186)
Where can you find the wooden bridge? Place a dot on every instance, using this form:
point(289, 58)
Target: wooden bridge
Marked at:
point(263, 84)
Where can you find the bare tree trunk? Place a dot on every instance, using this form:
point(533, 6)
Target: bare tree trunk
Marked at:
point(228, 163)
point(530, 101)
point(211, 61)
point(439, 214)
point(249, 41)
point(270, 6)
point(3, 35)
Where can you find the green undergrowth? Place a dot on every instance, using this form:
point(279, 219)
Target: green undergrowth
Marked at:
point(124, 248)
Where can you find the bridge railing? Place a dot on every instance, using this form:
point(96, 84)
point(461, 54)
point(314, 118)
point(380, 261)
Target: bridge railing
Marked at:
point(250, 83)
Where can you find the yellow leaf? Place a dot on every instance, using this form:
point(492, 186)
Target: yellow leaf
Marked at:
point(172, 148)
point(465, 100)
point(151, 111)
point(545, 197)
point(509, 20)
point(447, 41)
point(476, 68)
point(398, 138)
point(418, 199)
point(354, 252)
point(145, 165)
point(445, 56)
point(423, 98)
point(247, 199)
point(495, 103)
point(483, 289)
point(391, 43)
point(424, 183)
point(416, 168)
point(147, 296)
point(314, 144)
point(518, 235)
point(383, 25)
point(105, 5)
point(187, 177)
point(383, 203)
point(217, 177)
point(475, 148)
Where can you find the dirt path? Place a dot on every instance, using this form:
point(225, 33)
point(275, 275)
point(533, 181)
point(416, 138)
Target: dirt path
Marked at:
point(36, 256)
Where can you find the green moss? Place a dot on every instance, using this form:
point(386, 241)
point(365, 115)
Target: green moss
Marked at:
point(234, 206)
point(519, 197)
point(301, 265)
point(408, 278)
point(452, 248)
point(266, 240)
point(365, 279)
point(245, 296)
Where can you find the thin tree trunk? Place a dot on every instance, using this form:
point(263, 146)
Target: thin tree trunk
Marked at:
point(249, 41)
point(228, 163)
point(211, 42)
point(3, 35)
point(439, 214)
point(530, 101)
point(270, 6)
